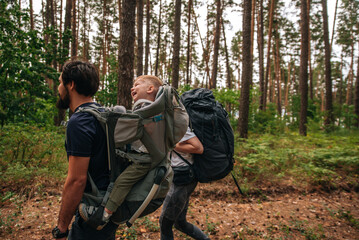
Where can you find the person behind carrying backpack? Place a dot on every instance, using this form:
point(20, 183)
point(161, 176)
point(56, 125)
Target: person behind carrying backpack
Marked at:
point(145, 89)
point(175, 206)
point(86, 151)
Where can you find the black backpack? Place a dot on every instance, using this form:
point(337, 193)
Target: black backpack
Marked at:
point(212, 127)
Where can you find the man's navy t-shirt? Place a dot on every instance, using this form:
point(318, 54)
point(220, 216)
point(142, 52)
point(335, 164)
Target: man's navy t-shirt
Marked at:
point(86, 138)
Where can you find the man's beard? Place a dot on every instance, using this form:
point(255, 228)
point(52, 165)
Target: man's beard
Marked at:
point(63, 103)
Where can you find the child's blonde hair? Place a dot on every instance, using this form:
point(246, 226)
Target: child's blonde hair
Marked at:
point(155, 81)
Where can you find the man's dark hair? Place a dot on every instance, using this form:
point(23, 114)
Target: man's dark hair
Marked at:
point(83, 74)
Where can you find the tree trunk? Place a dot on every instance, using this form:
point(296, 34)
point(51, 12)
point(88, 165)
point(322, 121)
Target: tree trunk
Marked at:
point(271, 13)
point(328, 118)
point(60, 25)
point(47, 24)
point(147, 48)
point(67, 30)
point(228, 68)
point(252, 29)
point(176, 45)
point(334, 20)
point(205, 49)
point(84, 30)
point(350, 78)
point(287, 87)
point(247, 70)
point(303, 77)
point(278, 75)
point(104, 41)
point(260, 39)
point(31, 16)
point(310, 55)
point(65, 49)
point(74, 29)
point(188, 81)
point(53, 39)
point(139, 38)
point(158, 38)
point(217, 34)
point(356, 99)
point(126, 55)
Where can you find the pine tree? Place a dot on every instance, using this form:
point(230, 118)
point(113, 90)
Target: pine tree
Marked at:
point(139, 37)
point(328, 121)
point(303, 78)
point(126, 53)
point(247, 70)
point(176, 45)
point(217, 34)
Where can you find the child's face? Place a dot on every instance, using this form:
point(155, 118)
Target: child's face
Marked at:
point(141, 90)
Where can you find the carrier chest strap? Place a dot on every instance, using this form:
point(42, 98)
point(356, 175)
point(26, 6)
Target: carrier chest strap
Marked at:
point(155, 119)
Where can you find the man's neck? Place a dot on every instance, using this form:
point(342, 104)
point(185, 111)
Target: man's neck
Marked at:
point(78, 100)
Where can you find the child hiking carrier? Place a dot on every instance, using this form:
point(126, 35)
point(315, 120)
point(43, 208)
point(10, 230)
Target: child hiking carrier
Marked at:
point(123, 128)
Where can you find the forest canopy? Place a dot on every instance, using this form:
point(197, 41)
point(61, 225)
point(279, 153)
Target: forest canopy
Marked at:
point(284, 68)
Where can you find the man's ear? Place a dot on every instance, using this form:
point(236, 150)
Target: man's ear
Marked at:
point(72, 85)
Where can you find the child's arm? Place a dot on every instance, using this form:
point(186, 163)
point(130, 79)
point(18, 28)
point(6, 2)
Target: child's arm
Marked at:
point(192, 145)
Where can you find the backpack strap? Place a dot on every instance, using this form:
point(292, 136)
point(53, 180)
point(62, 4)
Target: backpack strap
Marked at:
point(182, 158)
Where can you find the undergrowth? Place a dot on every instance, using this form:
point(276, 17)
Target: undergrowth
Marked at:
point(328, 161)
point(29, 153)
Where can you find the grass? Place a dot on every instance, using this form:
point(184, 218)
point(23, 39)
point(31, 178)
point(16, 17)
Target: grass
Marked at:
point(319, 159)
point(28, 154)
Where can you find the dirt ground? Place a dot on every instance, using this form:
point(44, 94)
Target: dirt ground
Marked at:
point(218, 209)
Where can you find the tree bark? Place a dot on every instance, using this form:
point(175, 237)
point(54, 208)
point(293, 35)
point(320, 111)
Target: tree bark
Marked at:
point(311, 94)
point(67, 30)
point(328, 119)
point(217, 34)
point(350, 78)
point(147, 48)
point(287, 87)
point(278, 74)
point(31, 16)
point(271, 13)
point(247, 70)
point(158, 39)
point(139, 38)
point(303, 77)
point(260, 39)
point(74, 29)
point(228, 68)
point(252, 29)
point(334, 20)
point(126, 53)
point(104, 41)
point(176, 45)
point(356, 98)
point(188, 81)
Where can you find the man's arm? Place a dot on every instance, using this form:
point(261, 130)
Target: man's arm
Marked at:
point(73, 190)
point(192, 145)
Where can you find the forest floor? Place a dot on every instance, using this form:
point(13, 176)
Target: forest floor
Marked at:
point(278, 212)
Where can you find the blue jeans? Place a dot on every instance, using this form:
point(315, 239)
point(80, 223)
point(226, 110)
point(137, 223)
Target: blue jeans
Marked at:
point(81, 231)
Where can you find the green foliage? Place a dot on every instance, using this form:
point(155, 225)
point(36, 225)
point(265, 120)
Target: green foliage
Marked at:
point(107, 96)
point(28, 152)
point(318, 159)
point(266, 121)
point(127, 233)
point(23, 71)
